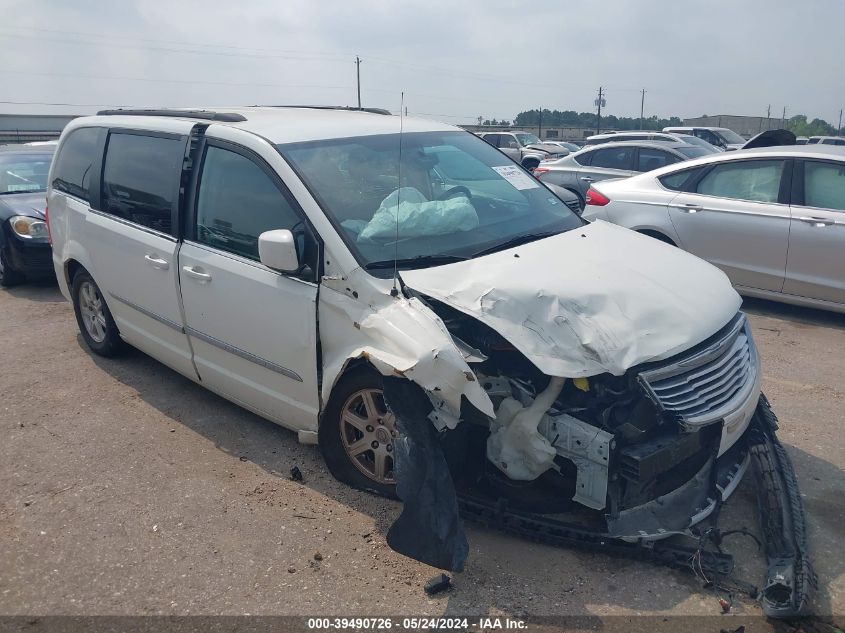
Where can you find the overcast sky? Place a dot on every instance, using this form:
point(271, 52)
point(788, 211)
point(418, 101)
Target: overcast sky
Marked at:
point(455, 60)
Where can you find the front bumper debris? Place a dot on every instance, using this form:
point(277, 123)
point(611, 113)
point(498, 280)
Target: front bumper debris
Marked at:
point(789, 580)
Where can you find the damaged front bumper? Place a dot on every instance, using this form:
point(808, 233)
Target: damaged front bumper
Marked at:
point(642, 531)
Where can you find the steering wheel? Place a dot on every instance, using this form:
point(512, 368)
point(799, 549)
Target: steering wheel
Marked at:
point(455, 190)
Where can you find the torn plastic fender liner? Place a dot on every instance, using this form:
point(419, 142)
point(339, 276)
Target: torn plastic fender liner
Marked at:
point(399, 337)
point(429, 529)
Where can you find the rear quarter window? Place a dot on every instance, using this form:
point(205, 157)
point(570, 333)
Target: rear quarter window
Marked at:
point(584, 158)
point(678, 181)
point(74, 162)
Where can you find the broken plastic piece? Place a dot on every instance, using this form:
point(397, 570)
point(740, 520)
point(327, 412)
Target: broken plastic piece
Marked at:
point(441, 582)
point(429, 528)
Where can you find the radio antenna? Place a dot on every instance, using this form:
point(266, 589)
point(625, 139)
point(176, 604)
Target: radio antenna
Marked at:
point(395, 290)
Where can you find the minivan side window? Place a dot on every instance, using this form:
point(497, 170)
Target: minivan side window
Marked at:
point(753, 180)
point(140, 179)
point(72, 173)
point(824, 185)
point(237, 201)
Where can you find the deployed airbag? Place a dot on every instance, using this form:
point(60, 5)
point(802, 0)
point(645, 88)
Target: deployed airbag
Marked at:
point(416, 216)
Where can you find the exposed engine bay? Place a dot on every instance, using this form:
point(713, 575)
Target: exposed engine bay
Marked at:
point(607, 462)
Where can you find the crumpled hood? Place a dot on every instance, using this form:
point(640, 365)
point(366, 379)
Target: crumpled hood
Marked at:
point(30, 204)
point(592, 300)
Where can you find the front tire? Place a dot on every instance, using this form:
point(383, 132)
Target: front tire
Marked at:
point(94, 318)
point(357, 432)
point(8, 276)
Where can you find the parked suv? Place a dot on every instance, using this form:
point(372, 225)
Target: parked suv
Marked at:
point(524, 147)
point(417, 298)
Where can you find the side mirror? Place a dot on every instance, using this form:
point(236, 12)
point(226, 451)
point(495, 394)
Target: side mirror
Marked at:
point(277, 250)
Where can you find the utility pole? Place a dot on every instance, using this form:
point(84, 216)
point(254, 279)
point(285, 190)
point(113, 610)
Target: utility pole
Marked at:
point(839, 133)
point(599, 104)
point(358, 73)
point(783, 118)
point(642, 108)
point(540, 125)
point(768, 116)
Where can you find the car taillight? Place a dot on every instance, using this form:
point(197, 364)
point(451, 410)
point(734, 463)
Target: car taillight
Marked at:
point(539, 171)
point(596, 199)
point(47, 221)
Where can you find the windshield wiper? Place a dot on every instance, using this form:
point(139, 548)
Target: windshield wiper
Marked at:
point(515, 241)
point(420, 261)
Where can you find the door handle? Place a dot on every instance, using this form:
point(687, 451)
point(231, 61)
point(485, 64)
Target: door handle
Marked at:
point(156, 262)
point(691, 208)
point(818, 222)
point(196, 274)
point(586, 179)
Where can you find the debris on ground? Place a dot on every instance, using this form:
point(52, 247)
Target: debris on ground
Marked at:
point(295, 474)
point(441, 582)
point(318, 556)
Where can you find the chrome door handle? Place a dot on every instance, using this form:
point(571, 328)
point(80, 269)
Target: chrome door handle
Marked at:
point(691, 208)
point(196, 274)
point(157, 262)
point(819, 222)
point(586, 179)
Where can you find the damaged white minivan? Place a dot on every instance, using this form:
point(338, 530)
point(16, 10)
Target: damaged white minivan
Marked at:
point(438, 320)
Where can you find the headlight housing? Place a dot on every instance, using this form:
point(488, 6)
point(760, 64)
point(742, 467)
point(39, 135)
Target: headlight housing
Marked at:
point(29, 228)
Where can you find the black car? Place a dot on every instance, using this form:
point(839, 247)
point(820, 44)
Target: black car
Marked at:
point(24, 241)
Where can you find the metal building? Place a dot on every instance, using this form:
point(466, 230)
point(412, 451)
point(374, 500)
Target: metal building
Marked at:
point(25, 128)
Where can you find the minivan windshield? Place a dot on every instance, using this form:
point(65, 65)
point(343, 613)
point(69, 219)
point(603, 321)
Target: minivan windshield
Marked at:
point(455, 197)
point(22, 172)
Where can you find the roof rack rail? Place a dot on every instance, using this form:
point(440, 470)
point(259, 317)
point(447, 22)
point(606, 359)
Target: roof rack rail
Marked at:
point(208, 115)
point(329, 107)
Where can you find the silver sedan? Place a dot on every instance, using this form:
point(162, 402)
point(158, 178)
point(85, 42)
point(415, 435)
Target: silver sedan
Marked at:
point(773, 219)
point(579, 170)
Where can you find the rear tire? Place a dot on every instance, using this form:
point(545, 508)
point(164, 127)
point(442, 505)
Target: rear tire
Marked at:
point(94, 318)
point(8, 276)
point(357, 432)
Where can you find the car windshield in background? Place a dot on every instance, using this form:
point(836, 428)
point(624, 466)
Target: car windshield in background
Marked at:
point(693, 151)
point(689, 139)
point(729, 136)
point(528, 139)
point(22, 172)
point(457, 196)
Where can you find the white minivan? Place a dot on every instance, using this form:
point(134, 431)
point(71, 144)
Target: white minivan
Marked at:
point(291, 258)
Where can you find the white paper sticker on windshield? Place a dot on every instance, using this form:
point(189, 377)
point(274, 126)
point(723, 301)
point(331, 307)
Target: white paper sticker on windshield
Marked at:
point(518, 178)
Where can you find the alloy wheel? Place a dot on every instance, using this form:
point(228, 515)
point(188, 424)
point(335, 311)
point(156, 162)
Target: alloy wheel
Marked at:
point(367, 431)
point(92, 309)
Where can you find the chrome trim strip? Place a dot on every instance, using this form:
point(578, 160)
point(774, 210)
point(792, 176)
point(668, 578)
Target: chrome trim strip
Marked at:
point(133, 225)
point(244, 354)
point(707, 208)
point(152, 315)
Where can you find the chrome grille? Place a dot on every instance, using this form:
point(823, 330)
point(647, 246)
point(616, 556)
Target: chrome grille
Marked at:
point(710, 381)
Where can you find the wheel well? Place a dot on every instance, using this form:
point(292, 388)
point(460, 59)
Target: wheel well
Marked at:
point(530, 163)
point(658, 236)
point(71, 268)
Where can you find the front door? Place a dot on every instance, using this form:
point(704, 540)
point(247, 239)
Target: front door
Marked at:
point(815, 267)
point(253, 329)
point(734, 220)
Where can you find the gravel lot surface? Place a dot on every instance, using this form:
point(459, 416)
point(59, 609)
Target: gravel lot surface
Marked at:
point(127, 489)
